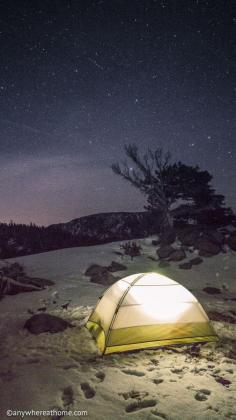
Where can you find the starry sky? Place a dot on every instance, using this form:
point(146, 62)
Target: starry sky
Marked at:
point(80, 79)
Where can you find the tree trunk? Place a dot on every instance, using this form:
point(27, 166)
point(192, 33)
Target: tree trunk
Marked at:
point(167, 221)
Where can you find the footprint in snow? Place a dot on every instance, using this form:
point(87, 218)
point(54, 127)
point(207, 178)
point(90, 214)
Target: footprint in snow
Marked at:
point(158, 381)
point(88, 391)
point(100, 375)
point(159, 415)
point(177, 370)
point(138, 395)
point(67, 396)
point(155, 361)
point(139, 405)
point(202, 394)
point(133, 372)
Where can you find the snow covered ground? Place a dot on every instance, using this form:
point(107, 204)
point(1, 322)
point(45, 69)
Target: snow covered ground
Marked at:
point(65, 371)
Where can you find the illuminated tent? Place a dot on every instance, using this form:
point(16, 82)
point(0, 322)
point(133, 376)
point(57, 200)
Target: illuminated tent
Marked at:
point(148, 310)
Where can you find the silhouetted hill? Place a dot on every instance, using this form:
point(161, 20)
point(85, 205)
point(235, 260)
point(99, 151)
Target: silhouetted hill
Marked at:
point(19, 239)
point(107, 227)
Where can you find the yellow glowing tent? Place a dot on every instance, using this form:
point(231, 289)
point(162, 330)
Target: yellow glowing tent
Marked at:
point(148, 310)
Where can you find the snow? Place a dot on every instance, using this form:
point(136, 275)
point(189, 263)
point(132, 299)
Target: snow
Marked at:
point(36, 371)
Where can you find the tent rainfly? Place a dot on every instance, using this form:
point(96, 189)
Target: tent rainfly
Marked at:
point(148, 310)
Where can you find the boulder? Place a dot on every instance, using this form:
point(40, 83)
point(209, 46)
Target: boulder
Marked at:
point(222, 381)
point(10, 286)
point(35, 281)
point(177, 255)
point(115, 266)
point(12, 270)
point(208, 248)
point(214, 236)
point(222, 317)
point(95, 269)
point(189, 237)
point(185, 266)
point(165, 251)
point(196, 261)
point(103, 277)
point(212, 290)
point(231, 240)
point(41, 323)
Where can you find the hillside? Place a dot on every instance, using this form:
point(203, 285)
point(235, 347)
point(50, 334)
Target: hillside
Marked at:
point(17, 240)
point(71, 374)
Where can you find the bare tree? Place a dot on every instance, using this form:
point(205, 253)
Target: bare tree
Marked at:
point(148, 175)
point(164, 183)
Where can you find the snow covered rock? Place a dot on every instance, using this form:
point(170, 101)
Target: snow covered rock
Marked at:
point(186, 266)
point(212, 290)
point(10, 286)
point(196, 261)
point(115, 266)
point(165, 251)
point(208, 248)
point(105, 278)
point(177, 255)
point(189, 236)
point(41, 323)
point(95, 269)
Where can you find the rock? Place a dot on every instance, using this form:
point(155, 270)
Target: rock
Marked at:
point(186, 266)
point(163, 264)
point(189, 236)
point(196, 261)
point(222, 381)
point(103, 277)
point(9, 286)
point(165, 251)
point(177, 255)
point(95, 269)
point(215, 236)
point(41, 323)
point(212, 290)
point(115, 266)
point(13, 271)
point(217, 316)
point(231, 240)
point(100, 274)
point(207, 248)
point(36, 281)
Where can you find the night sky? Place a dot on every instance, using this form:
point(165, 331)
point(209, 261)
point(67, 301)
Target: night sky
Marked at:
point(80, 79)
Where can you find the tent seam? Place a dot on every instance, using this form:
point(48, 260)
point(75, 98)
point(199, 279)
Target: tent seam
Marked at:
point(118, 307)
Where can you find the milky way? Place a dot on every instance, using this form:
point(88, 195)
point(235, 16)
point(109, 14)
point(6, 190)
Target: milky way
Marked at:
point(80, 79)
